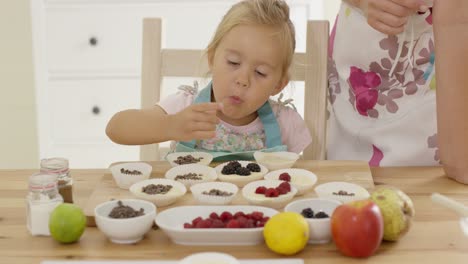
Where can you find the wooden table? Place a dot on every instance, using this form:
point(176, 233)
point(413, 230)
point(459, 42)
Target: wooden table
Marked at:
point(435, 236)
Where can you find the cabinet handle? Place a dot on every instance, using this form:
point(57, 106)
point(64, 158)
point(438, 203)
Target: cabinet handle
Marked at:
point(93, 41)
point(96, 110)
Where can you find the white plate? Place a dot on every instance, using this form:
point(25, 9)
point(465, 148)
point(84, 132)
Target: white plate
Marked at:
point(177, 191)
point(259, 199)
point(329, 190)
point(303, 180)
point(207, 172)
point(238, 179)
point(276, 160)
point(242, 261)
point(206, 157)
point(171, 222)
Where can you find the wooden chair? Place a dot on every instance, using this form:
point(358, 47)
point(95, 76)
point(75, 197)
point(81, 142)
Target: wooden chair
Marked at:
point(310, 67)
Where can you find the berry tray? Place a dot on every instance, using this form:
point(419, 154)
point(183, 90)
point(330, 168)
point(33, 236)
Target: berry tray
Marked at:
point(171, 221)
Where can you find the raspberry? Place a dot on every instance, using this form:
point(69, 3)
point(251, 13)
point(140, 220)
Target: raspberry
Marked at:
point(260, 224)
point(253, 167)
point(242, 221)
point(187, 225)
point(225, 216)
point(282, 190)
point(217, 224)
point(214, 215)
point(233, 224)
point(196, 220)
point(285, 177)
point(271, 192)
point(285, 185)
point(257, 216)
point(204, 224)
point(261, 190)
point(239, 214)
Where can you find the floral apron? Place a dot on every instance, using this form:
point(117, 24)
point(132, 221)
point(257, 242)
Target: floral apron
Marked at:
point(382, 92)
point(271, 129)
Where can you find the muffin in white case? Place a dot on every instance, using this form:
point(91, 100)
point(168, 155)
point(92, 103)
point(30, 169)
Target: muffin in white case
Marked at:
point(177, 191)
point(203, 157)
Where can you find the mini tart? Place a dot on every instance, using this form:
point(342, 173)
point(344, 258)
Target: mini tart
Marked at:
point(206, 173)
point(303, 180)
point(177, 191)
point(199, 189)
point(240, 180)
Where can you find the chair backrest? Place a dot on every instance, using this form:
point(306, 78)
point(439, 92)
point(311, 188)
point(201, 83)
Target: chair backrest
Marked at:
point(310, 67)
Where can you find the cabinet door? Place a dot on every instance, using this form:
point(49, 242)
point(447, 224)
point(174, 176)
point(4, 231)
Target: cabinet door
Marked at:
point(78, 115)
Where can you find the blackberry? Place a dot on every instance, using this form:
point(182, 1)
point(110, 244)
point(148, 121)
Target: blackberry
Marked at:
point(321, 215)
point(253, 167)
point(242, 171)
point(235, 164)
point(307, 213)
point(228, 170)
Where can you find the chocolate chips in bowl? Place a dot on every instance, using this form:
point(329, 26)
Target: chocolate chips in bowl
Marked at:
point(215, 193)
point(125, 221)
point(161, 192)
point(183, 158)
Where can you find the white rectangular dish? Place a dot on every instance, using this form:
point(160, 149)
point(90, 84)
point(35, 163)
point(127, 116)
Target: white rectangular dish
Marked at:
point(242, 261)
point(171, 222)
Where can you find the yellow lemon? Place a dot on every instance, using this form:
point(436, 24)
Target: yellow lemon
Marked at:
point(286, 233)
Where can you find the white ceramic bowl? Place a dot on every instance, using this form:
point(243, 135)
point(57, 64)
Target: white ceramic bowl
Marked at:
point(206, 158)
point(276, 160)
point(248, 192)
point(127, 230)
point(208, 174)
point(303, 180)
point(319, 228)
point(209, 257)
point(238, 179)
point(125, 180)
point(171, 221)
point(198, 189)
point(178, 190)
point(330, 190)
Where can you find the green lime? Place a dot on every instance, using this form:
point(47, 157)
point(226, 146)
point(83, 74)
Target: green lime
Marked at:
point(67, 223)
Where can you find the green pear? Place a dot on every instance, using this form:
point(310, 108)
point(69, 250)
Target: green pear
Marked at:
point(397, 211)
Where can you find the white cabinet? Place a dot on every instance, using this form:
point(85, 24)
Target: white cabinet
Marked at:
point(87, 56)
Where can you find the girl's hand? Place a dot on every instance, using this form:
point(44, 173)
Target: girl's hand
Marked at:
point(197, 121)
point(390, 16)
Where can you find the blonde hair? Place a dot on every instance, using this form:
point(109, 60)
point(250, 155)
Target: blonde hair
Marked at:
point(274, 13)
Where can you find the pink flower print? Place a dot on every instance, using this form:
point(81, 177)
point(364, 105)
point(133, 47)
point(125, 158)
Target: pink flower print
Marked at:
point(363, 85)
point(377, 157)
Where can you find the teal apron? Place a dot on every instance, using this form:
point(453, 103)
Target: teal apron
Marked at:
point(268, 119)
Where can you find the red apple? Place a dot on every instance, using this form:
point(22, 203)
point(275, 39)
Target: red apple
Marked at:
point(357, 228)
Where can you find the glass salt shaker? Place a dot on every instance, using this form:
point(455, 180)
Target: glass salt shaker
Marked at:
point(42, 199)
point(60, 168)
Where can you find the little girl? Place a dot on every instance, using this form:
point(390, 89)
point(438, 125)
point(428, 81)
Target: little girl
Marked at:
point(249, 58)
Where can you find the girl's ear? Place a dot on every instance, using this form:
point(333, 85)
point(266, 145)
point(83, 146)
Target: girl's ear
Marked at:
point(280, 86)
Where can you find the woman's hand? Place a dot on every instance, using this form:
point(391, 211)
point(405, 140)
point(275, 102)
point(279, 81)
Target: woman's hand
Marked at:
point(389, 16)
point(197, 121)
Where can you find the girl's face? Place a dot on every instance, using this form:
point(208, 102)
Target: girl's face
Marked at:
point(247, 70)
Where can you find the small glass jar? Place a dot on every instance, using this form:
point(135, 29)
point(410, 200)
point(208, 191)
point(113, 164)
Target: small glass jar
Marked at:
point(42, 199)
point(59, 167)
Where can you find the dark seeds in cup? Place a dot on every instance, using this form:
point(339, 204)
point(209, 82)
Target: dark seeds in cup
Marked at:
point(123, 211)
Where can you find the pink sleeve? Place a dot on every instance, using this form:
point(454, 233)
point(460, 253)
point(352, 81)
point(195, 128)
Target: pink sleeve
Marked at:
point(177, 102)
point(294, 131)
